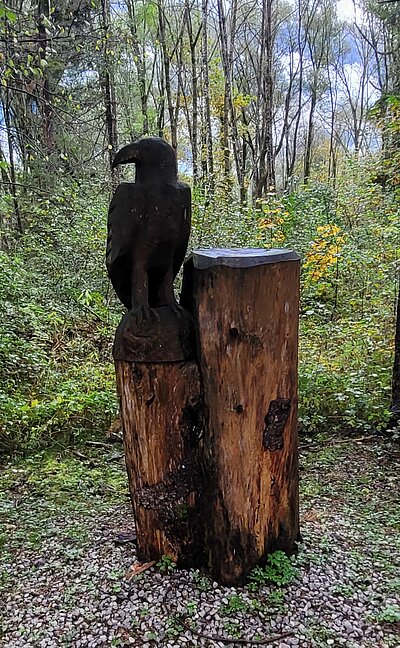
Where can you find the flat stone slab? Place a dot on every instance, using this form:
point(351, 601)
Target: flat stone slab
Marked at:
point(240, 257)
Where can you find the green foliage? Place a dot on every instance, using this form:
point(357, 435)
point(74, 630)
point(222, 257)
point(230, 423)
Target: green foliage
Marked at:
point(278, 571)
point(58, 475)
point(191, 607)
point(390, 614)
point(348, 239)
point(386, 113)
point(58, 314)
point(235, 604)
point(276, 598)
point(6, 13)
point(343, 590)
point(233, 629)
point(166, 563)
point(346, 333)
point(36, 488)
point(201, 582)
point(56, 376)
point(174, 627)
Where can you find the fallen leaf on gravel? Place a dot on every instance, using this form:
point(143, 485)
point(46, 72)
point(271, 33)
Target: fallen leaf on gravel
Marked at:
point(311, 516)
point(138, 568)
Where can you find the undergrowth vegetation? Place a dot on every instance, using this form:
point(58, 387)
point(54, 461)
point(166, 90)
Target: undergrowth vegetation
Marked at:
point(56, 376)
point(58, 313)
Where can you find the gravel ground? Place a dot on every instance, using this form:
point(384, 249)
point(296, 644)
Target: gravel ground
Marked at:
point(62, 574)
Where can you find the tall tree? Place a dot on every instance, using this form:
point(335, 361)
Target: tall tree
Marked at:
point(139, 57)
point(207, 133)
point(194, 34)
point(109, 90)
point(265, 179)
point(318, 41)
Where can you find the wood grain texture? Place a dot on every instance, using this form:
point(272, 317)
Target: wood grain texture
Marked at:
point(247, 327)
point(160, 411)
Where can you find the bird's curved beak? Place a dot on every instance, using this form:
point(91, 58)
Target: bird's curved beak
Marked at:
point(129, 153)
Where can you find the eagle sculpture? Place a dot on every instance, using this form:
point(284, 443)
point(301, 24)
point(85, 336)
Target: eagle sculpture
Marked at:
point(148, 226)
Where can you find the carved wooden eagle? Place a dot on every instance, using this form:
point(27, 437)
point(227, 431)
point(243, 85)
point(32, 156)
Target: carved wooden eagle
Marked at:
point(148, 226)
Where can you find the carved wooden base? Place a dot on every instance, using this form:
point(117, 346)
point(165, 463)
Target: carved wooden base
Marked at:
point(153, 335)
point(242, 503)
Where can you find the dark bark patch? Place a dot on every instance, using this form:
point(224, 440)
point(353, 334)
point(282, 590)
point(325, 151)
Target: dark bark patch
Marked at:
point(275, 421)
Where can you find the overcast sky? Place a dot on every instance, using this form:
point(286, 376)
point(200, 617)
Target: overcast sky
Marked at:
point(346, 9)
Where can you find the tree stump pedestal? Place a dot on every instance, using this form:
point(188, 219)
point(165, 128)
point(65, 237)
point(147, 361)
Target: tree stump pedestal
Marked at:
point(245, 304)
point(160, 412)
point(211, 433)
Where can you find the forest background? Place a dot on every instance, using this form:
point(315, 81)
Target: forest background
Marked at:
point(285, 115)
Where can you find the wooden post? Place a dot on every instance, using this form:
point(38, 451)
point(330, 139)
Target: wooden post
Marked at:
point(160, 414)
point(160, 405)
point(245, 304)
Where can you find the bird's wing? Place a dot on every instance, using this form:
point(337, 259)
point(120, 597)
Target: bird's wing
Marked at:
point(127, 208)
point(186, 217)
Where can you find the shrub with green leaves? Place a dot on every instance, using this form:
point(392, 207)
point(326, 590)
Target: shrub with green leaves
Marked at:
point(348, 237)
point(56, 327)
point(58, 314)
point(390, 614)
point(277, 571)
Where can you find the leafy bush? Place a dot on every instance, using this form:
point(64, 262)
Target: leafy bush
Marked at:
point(58, 314)
point(390, 614)
point(56, 374)
point(348, 239)
point(278, 571)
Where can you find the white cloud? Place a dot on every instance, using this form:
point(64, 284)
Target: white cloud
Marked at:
point(346, 10)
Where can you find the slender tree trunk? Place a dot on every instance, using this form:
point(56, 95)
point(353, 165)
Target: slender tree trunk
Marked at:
point(292, 157)
point(161, 98)
point(269, 94)
point(229, 113)
point(227, 91)
point(140, 63)
point(10, 145)
point(266, 174)
point(109, 92)
point(225, 138)
point(332, 154)
point(206, 99)
point(7, 115)
point(194, 126)
point(167, 75)
point(310, 135)
point(242, 188)
point(259, 107)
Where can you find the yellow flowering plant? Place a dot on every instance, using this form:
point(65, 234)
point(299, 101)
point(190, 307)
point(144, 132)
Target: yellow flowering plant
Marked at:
point(271, 225)
point(324, 251)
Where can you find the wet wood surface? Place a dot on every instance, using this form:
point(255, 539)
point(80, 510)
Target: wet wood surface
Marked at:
point(247, 328)
point(160, 410)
